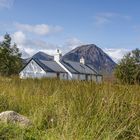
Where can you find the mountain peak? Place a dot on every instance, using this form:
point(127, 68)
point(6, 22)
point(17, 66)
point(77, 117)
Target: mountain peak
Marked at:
point(93, 55)
point(42, 56)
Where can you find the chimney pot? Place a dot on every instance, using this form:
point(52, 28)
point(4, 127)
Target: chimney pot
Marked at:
point(58, 55)
point(82, 60)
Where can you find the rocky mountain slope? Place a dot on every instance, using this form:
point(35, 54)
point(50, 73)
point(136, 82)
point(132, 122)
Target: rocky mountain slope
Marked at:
point(43, 56)
point(93, 55)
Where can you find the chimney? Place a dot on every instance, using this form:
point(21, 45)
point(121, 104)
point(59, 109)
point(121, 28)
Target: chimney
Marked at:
point(82, 60)
point(58, 55)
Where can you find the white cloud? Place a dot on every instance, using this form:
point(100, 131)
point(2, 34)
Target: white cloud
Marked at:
point(117, 53)
point(50, 51)
point(19, 37)
point(28, 47)
point(99, 20)
point(1, 38)
point(71, 43)
point(41, 44)
point(103, 18)
point(6, 3)
point(39, 29)
point(29, 51)
point(107, 17)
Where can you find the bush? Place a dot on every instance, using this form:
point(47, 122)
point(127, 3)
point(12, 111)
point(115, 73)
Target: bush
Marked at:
point(128, 69)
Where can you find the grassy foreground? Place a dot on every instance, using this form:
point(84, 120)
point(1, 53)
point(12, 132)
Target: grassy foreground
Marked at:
point(71, 110)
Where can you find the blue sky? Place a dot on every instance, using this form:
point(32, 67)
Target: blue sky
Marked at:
point(113, 25)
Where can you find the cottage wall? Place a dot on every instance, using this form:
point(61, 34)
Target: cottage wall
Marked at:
point(82, 77)
point(32, 70)
point(78, 76)
point(74, 76)
point(89, 77)
point(50, 75)
point(99, 79)
point(63, 76)
point(94, 78)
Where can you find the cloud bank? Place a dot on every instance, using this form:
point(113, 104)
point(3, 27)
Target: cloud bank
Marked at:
point(108, 17)
point(6, 3)
point(28, 47)
point(117, 53)
point(39, 29)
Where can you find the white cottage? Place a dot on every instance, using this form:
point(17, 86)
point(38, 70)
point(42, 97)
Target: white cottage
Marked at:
point(59, 68)
point(40, 68)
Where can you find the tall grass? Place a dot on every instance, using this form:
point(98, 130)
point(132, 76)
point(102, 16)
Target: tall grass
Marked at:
point(71, 110)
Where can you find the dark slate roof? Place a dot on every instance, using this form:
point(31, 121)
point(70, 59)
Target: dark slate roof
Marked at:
point(49, 66)
point(91, 67)
point(76, 67)
point(68, 67)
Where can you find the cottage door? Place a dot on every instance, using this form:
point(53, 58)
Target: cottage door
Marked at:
point(58, 75)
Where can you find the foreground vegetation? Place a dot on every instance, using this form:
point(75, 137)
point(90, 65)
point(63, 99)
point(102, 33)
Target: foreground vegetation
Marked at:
point(71, 110)
point(128, 69)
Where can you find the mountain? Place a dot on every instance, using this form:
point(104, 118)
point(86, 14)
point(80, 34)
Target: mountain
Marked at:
point(39, 55)
point(93, 55)
point(42, 56)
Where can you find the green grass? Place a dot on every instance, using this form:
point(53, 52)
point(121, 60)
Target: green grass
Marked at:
point(71, 110)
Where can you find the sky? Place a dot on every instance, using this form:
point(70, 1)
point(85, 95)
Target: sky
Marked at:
point(45, 25)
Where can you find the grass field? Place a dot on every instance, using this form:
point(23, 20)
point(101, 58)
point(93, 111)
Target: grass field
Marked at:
point(71, 110)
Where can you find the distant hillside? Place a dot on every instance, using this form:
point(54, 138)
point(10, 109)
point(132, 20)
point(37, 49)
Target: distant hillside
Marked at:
point(93, 55)
point(42, 56)
point(39, 55)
